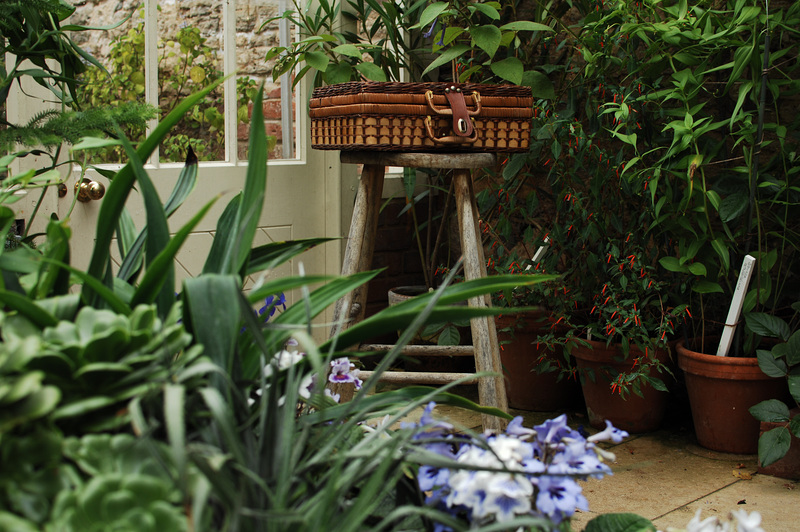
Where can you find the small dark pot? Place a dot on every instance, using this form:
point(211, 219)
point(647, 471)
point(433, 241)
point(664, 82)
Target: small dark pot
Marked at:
point(721, 391)
point(520, 355)
point(454, 364)
point(634, 414)
point(789, 465)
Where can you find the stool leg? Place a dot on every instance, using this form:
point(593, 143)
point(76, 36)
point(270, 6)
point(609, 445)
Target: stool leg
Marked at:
point(491, 390)
point(360, 245)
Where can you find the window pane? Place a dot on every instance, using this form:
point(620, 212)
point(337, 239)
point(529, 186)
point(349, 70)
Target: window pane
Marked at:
point(254, 36)
point(190, 58)
point(190, 41)
point(121, 52)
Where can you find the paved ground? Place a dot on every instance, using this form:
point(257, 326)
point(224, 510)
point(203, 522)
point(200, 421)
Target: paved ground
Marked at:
point(666, 477)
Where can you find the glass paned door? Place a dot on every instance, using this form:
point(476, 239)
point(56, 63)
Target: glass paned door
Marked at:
point(170, 48)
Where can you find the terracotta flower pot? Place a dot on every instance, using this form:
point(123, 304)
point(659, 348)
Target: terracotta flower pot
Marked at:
point(789, 465)
point(520, 355)
point(634, 414)
point(721, 391)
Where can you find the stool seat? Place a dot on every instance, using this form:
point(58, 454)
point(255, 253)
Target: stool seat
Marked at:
point(420, 160)
point(361, 244)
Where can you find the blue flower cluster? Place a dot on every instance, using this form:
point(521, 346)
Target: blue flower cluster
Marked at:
point(521, 472)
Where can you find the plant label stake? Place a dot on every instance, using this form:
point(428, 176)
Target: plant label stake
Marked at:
point(540, 252)
point(735, 309)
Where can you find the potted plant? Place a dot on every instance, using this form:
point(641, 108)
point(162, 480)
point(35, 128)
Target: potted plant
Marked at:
point(561, 215)
point(708, 154)
point(779, 440)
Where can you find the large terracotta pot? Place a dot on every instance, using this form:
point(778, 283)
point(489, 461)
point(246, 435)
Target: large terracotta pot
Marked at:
point(634, 414)
point(721, 391)
point(520, 355)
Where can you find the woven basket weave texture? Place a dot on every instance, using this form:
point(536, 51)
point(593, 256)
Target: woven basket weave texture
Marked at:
point(393, 116)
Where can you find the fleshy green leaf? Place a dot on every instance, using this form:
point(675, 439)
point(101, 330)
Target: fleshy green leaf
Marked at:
point(733, 206)
point(510, 69)
point(350, 50)
point(525, 25)
point(540, 84)
point(453, 53)
point(770, 365)
point(487, 38)
point(371, 71)
point(622, 522)
point(767, 325)
point(771, 410)
point(773, 445)
point(317, 60)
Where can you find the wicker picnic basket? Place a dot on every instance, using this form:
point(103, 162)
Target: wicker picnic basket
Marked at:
point(444, 117)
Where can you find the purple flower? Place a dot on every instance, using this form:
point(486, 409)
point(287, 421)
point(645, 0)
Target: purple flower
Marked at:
point(429, 33)
point(500, 476)
point(578, 459)
point(432, 477)
point(342, 371)
point(271, 305)
point(554, 430)
point(427, 421)
point(432, 31)
point(508, 496)
point(609, 433)
point(515, 428)
point(559, 497)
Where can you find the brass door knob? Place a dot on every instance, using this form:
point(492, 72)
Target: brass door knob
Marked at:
point(88, 190)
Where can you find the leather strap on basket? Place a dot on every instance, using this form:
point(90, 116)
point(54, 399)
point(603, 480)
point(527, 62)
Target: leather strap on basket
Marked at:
point(462, 124)
point(447, 139)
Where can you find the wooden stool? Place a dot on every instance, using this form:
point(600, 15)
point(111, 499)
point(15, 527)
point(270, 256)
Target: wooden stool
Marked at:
point(361, 244)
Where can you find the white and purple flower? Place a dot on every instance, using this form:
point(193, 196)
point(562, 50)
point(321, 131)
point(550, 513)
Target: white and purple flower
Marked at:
point(343, 371)
point(521, 472)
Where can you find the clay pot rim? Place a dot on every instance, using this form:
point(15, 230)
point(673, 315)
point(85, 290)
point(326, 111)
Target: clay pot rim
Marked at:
point(599, 352)
point(705, 365)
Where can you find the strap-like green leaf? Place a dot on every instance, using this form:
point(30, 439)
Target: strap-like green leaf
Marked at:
point(157, 235)
point(271, 255)
point(26, 307)
point(155, 281)
point(122, 184)
point(216, 331)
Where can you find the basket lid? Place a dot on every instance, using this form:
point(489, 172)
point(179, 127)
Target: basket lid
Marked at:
point(438, 88)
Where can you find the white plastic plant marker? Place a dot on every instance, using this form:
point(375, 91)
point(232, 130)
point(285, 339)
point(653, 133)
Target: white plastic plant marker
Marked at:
point(537, 256)
point(540, 252)
point(735, 309)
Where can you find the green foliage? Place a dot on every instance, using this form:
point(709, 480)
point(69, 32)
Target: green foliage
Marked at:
point(781, 361)
point(127, 406)
point(474, 41)
point(126, 488)
point(699, 105)
point(666, 155)
point(619, 523)
point(23, 394)
point(31, 30)
point(191, 428)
